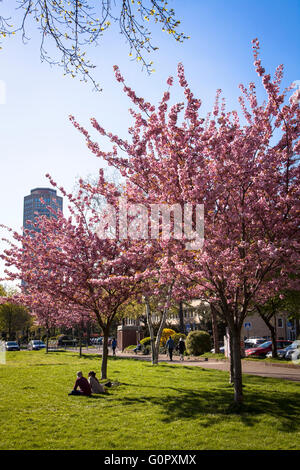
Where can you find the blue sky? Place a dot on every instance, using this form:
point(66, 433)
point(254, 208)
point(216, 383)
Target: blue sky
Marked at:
point(36, 136)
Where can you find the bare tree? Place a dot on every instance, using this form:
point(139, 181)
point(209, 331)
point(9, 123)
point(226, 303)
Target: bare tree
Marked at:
point(73, 25)
point(155, 343)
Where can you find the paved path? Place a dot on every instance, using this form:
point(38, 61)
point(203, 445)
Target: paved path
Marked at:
point(261, 368)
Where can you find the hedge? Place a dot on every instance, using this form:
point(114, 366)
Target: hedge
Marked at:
point(198, 342)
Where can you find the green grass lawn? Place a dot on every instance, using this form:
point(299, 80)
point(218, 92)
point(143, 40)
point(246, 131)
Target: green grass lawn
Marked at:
point(164, 407)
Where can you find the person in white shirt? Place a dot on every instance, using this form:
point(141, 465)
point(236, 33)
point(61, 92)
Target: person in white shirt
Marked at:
point(96, 386)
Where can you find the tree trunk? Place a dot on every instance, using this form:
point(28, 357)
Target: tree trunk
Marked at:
point(47, 341)
point(80, 343)
point(88, 334)
point(181, 321)
point(231, 370)
point(10, 326)
point(155, 345)
point(297, 327)
point(237, 365)
point(267, 319)
point(273, 337)
point(104, 354)
point(215, 328)
point(151, 332)
point(155, 353)
point(159, 333)
point(272, 329)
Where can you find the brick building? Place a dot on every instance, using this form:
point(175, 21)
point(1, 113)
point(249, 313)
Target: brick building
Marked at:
point(255, 326)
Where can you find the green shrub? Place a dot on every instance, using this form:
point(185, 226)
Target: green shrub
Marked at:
point(146, 350)
point(146, 345)
point(166, 332)
point(131, 347)
point(176, 337)
point(146, 341)
point(198, 342)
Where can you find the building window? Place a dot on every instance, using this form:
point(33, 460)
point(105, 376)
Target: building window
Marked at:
point(280, 323)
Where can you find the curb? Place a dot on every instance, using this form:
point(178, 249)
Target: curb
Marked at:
point(275, 364)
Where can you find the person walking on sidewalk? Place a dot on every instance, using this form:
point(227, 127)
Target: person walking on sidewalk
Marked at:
point(114, 345)
point(181, 348)
point(170, 347)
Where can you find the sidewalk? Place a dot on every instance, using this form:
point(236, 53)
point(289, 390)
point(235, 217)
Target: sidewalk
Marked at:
point(263, 369)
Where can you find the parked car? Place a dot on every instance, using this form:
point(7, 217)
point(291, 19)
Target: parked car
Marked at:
point(66, 340)
point(221, 348)
point(294, 352)
point(264, 348)
point(253, 342)
point(12, 346)
point(281, 353)
point(295, 355)
point(36, 345)
point(98, 341)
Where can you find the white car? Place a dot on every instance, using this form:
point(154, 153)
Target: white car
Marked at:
point(12, 346)
point(294, 352)
point(253, 342)
point(221, 349)
point(36, 345)
point(281, 353)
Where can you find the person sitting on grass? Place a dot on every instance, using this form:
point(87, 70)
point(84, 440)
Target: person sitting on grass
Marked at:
point(83, 385)
point(96, 386)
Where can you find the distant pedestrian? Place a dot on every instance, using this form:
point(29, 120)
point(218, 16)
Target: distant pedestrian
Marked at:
point(83, 385)
point(181, 348)
point(170, 346)
point(138, 347)
point(114, 345)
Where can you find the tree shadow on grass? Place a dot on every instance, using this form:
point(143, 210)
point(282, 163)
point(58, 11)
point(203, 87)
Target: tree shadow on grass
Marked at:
point(52, 351)
point(89, 397)
point(99, 396)
point(87, 356)
point(215, 405)
point(93, 356)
